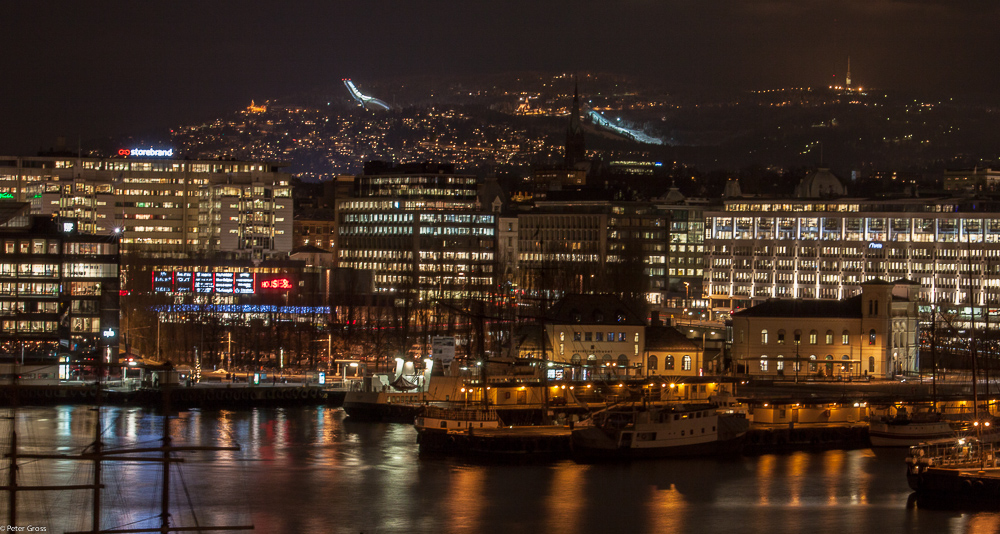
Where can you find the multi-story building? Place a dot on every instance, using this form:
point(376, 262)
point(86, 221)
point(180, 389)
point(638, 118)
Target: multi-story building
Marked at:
point(683, 291)
point(757, 249)
point(226, 311)
point(584, 246)
point(59, 291)
point(317, 229)
point(158, 204)
point(873, 334)
point(592, 335)
point(422, 232)
point(973, 180)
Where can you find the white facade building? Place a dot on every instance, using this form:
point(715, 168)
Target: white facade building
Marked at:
point(160, 205)
point(758, 249)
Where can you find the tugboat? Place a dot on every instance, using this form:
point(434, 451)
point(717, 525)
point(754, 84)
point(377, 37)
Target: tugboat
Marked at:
point(655, 431)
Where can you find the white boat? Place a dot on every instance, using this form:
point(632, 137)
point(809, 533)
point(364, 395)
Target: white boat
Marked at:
point(905, 430)
point(649, 431)
point(374, 400)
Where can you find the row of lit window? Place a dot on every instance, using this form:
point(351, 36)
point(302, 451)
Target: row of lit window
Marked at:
point(51, 246)
point(598, 336)
point(455, 230)
point(526, 256)
point(29, 289)
point(26, 327)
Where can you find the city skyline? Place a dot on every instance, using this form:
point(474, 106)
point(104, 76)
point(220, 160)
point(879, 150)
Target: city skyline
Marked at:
point(116, 69)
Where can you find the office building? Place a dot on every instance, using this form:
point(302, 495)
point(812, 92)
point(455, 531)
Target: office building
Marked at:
point(59, 290)
point(421, 230)
point(161, 205)
point(759, 248)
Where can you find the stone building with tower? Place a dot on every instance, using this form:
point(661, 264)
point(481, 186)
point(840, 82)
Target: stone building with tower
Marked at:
point(872, 334)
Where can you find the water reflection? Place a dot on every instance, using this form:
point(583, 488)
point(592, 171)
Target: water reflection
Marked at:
point(565, 499)
point(310, 471)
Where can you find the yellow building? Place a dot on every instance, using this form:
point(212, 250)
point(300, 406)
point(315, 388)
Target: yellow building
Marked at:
point(595, 335)
point(873, 334)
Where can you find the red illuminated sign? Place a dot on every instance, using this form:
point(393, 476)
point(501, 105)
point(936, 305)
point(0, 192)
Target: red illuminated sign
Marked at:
point(277, 283)
point(169, 152)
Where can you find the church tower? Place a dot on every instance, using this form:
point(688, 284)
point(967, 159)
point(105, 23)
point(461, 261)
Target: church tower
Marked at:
point(576, 151)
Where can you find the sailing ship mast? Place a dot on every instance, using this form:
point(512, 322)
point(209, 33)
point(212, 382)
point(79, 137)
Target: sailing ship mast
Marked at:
point(99, 454)
point(973, 348)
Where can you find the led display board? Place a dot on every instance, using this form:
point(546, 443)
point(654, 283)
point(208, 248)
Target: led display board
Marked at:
point(233, 283)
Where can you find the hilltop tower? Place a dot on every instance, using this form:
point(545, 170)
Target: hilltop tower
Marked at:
point(576, 151)
point(847, 85)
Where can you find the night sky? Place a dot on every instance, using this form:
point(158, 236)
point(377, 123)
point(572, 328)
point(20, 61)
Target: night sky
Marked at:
point(98, 68)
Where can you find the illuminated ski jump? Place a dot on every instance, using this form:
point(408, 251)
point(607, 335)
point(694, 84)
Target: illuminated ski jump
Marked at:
point(631, 133)
point(364, 99)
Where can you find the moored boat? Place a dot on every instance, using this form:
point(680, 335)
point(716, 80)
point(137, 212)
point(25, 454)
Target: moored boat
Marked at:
point(435, 420)
point(955, 471)
point(905, 430)
point(652, 431)
point(374, 400)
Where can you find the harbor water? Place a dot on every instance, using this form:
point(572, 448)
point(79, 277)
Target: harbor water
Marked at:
point(312, 470)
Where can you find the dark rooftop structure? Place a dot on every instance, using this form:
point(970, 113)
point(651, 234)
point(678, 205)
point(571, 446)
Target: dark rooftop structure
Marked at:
point(594, 309)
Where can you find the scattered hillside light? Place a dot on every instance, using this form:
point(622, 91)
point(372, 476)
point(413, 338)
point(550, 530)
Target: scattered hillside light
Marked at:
point(663, 385)
point(564, 387)
point(463, 390)
point(672, 386)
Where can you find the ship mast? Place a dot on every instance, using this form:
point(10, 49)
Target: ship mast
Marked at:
point(973, 348)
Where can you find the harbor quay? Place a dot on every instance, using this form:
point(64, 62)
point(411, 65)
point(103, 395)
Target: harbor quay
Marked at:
point(784, 416)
